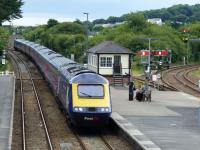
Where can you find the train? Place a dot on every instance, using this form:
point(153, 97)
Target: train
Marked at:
point(83, 95)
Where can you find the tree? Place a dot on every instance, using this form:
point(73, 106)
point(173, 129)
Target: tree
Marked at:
point(51, 23)
point(137, 21)
point(4, 34)
point(10, 9)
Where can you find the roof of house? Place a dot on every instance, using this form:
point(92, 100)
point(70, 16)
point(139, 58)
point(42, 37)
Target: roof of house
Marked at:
point(109, 47)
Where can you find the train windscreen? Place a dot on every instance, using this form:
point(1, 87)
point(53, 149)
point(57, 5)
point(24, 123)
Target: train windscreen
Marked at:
point(90, 91)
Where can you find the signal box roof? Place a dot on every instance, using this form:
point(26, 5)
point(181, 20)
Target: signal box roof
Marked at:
point(109, 47)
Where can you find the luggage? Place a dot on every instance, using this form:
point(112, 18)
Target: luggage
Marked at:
point(139, 96)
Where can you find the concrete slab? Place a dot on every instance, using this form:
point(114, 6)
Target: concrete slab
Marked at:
point(7, 91)
point(171, 121)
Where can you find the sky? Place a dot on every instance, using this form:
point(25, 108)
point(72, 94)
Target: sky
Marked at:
point(37, 12)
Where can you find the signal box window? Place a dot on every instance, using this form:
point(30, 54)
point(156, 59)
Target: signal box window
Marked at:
point(106, 61)
point(91, 91)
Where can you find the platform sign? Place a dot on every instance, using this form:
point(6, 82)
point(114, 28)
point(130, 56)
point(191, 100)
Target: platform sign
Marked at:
point(154, 77)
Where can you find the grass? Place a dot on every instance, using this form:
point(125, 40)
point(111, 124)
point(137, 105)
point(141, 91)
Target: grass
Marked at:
point(196, 73)
point(6, 67)
point(138, 71)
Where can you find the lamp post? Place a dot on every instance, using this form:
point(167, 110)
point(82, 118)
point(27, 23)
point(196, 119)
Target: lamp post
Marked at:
point(149, 56)
point(87, 28)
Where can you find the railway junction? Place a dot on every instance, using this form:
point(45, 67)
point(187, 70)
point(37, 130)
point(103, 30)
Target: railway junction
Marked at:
point(170, 121)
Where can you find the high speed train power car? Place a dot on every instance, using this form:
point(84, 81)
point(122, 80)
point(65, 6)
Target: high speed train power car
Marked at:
point(83, 95)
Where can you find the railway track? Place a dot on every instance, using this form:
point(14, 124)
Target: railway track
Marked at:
point(161, 86)
point(62, 136)
point(35, 133)
point(179, 78)
point(87, 143)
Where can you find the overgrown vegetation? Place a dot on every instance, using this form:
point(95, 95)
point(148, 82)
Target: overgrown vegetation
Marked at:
point(196, 73)
point(71, 37)
point(177, 14)
point(6, 67)
point(66, 38)
point(4, 35)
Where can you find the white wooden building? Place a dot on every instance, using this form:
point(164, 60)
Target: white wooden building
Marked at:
point(109, 58)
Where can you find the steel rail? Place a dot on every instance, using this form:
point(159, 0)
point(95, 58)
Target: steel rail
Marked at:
point(38, 102)
point(182, 82)
point(165, 72)
point(22, 102)
point(187, 78)
point(106, 143)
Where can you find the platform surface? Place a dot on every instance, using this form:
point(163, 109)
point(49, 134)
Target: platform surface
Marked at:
point(7, 83)
point(171, 120)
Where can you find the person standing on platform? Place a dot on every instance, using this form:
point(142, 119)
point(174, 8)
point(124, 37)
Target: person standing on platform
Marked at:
point(131, 90)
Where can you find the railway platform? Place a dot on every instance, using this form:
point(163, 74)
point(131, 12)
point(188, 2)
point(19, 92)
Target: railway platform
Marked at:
point(170, 122)
point(7, 91)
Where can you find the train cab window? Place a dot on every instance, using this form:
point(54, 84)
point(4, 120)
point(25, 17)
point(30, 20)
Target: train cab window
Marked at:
point(90, 91)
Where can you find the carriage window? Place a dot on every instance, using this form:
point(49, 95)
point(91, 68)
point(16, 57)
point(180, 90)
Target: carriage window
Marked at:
point(91, 91)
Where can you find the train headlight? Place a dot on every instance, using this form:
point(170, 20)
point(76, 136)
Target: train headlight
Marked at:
point(76, 109)
point(102, 109)
point(80, 109)
point(105, 109)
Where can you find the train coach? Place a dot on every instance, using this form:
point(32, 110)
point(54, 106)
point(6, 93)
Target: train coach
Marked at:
point(82, 94)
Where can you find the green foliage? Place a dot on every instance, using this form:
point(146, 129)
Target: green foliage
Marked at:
point(7, 66)
point(176, 13)
point(97, 28)
point(70, 37)
point(67, 28)
point(194, 30)
point(131, 36)
point(136, 21)
point(51, 23)
point(4, 34)
point(66, 38)
point(10, 9)
point(34, 34)
point(196, 73)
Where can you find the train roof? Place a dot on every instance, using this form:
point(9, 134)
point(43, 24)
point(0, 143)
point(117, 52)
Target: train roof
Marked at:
point(67, 67)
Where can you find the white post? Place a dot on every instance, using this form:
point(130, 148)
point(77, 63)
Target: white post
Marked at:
point(183, 60)
point(3, 57)
point(199, 84)
point(72, 56)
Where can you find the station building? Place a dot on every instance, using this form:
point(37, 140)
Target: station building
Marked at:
point(110, 60)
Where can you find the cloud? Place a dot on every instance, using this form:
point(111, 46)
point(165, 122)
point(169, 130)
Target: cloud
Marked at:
point(33, 19)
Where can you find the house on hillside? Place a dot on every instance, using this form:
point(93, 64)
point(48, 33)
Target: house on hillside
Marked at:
point(157, 21)
point(110, 60)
